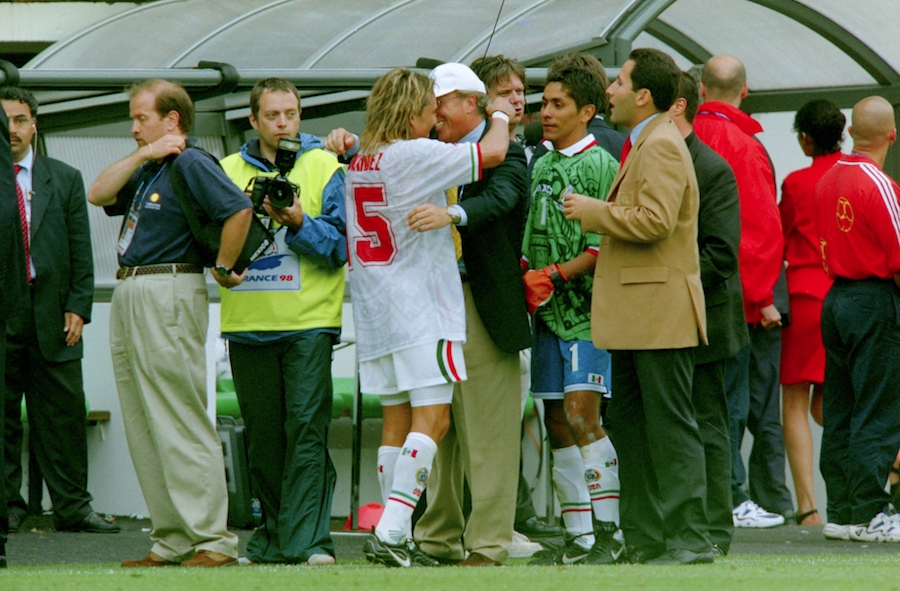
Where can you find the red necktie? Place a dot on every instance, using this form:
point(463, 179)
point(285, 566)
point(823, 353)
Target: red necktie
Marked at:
point(625, 149)
point(24, 219)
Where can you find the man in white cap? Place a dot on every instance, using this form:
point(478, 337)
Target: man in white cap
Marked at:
point(482, 444)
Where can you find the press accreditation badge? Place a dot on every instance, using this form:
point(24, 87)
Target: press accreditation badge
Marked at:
point(278, 271)
point(128, 228)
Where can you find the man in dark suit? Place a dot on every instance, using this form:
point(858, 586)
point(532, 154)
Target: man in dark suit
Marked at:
point(648, 310)
point(12, 285)
point(607, 138)
point(483, 441)
point(718, 236)
point(752, 375)
point(44, 342)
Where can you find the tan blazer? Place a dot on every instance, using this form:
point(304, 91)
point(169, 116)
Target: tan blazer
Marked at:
point(647, 292)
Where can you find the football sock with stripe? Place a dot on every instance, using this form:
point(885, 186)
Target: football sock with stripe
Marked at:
point(410, 475)
point(387, 460)
point(568, 478)
point(601, 474)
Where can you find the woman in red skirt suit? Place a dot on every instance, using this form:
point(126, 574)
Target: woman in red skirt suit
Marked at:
point(819, 125)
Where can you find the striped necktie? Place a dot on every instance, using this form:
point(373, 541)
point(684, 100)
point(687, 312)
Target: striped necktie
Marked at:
point(24, 219)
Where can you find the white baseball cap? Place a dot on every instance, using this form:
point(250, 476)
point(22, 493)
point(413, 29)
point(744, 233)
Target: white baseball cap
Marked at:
point(453, 76)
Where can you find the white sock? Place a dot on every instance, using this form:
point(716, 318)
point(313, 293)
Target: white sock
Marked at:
point(601, 473)
point(568, 477)
point(387, 460)
point(410, 475)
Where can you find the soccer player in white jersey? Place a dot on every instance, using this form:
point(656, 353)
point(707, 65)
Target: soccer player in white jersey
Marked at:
point(405, 287)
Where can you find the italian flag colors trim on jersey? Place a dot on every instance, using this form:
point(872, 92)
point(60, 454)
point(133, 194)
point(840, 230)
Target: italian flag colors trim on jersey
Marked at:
point(446, 362)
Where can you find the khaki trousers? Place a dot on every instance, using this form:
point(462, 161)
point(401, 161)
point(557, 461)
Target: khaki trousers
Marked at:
point(157, 332)
point(483, 445)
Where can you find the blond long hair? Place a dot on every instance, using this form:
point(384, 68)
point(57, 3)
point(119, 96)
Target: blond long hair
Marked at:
point(398, 96)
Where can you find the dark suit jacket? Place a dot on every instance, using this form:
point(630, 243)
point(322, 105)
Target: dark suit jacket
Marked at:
point(607, 138)
point(12, 250)
point(496, 207)
point(718, 236)
point(61, 253)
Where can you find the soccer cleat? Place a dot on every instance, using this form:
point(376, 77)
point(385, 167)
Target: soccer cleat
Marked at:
point(406, 554)
point(749, 514)
point(884, 527)
point(606, 549)
point(418, 556)
point(571, 553)
point(382, 552)
point(834, 531)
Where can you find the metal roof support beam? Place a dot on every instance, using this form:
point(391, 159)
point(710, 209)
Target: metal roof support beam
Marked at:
point(843, 39)
point(622, 32)
point(678, 41)
point(791, 100)
point(204, 79)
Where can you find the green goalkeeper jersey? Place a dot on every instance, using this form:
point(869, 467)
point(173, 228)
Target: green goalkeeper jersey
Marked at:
point(587, 169)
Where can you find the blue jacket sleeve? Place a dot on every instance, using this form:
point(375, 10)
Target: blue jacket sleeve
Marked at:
point(322, 239)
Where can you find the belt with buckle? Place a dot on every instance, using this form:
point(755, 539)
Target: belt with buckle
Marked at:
point(173, 268)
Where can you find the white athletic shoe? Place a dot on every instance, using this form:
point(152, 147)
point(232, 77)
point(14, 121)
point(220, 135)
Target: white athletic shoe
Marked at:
point(835, 531)
point(883, 527)
point(749, 514)
point(320, 560)
point(522, 547)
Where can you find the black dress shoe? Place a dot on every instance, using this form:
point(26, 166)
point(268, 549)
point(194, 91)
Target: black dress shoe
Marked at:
point(640, 555)
point(15, 522)
point(536, 530)
point(91, 523)
point(681, 556)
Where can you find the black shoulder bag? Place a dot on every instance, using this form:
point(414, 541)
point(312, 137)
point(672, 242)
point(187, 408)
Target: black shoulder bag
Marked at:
point(209, 235)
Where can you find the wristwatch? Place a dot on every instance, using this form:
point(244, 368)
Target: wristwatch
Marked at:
point(223, 271)
point(455, 218)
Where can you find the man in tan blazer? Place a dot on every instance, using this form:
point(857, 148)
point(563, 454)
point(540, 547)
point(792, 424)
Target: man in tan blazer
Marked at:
point(648, 310)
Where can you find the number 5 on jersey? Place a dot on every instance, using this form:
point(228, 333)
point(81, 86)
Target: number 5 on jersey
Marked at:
point(377, 245)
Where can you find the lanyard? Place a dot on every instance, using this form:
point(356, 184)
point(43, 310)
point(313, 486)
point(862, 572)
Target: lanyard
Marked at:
point(150, 184)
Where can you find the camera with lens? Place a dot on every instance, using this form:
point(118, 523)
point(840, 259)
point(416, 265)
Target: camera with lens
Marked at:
point(278, 189)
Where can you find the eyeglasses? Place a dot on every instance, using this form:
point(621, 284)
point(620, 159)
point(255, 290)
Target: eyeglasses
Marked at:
point(21, 121)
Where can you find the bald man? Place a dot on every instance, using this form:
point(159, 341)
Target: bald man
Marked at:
point(859, 233)
point(752, 374)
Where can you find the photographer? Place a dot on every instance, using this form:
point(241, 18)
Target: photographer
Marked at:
point(281, 324)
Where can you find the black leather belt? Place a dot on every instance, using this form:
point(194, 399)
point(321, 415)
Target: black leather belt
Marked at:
point(126, 272)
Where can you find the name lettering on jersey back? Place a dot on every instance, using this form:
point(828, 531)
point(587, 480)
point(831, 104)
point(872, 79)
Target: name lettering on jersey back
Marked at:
point(364, 162)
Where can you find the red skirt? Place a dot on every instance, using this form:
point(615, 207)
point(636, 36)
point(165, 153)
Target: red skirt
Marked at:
point(802, 351)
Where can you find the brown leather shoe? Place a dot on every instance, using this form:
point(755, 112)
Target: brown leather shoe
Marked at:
point(476, 559)
point(208, 559)
point(150, 559)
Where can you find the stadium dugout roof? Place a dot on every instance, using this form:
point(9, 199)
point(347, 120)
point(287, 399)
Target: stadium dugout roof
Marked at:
point(334, 49)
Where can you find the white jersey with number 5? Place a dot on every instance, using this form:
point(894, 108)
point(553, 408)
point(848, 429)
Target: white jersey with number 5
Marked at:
point(404, 284)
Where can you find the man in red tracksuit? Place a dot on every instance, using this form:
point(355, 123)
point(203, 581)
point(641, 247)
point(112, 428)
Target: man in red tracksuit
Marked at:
point(752, 375)
point(859, 232)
